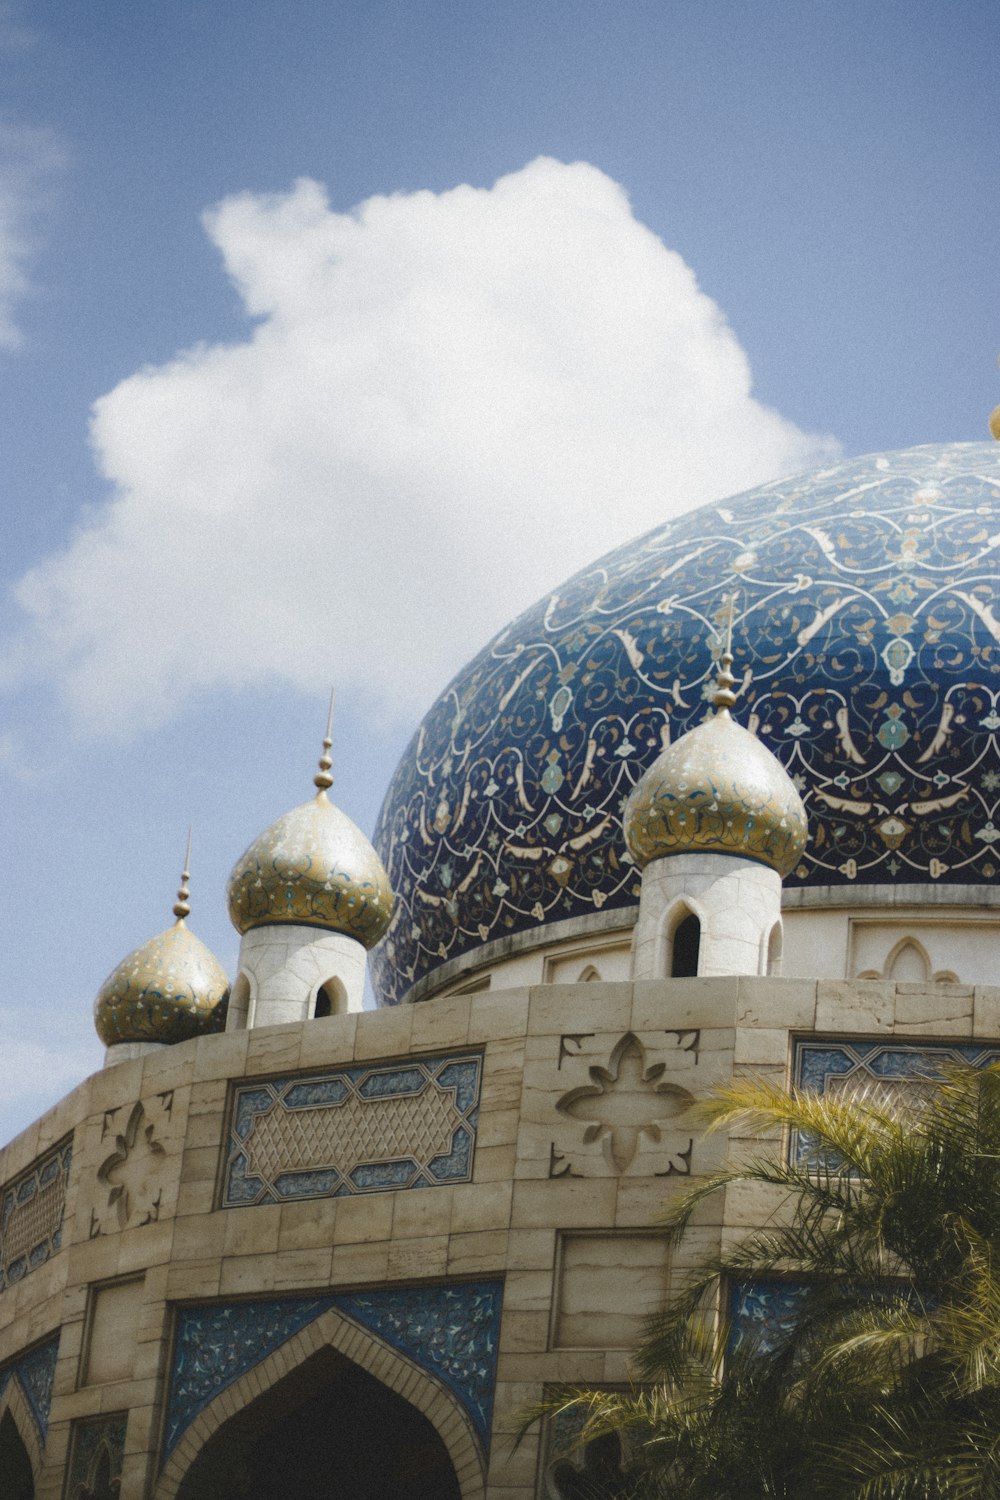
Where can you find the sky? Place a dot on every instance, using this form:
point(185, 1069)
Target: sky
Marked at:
point(331, 336)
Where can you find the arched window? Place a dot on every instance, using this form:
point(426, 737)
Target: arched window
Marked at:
point(331, 999)
point(685, 947)
point(15, 1466)
point(239, 1005)
point(774, 950)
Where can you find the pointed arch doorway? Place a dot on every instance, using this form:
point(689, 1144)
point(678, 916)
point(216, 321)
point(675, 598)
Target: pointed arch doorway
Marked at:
point(327, 1428)
point(16, 1479)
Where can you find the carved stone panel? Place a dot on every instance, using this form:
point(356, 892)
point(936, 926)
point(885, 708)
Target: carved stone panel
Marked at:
point(625, 1111)
point(138, 1160)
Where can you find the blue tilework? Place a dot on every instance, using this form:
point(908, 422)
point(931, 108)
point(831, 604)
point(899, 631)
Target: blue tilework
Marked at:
point(35, 1373)
point(762, 1312)
point(866, 643)
point(31, 1214)
point(816, 1063)
point(370, 1153)
point(90, 1435)
point(216, 1344)
point(450, 1331)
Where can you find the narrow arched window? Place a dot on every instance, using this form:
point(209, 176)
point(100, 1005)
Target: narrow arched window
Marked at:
point(331, 999)
point(685, 948)
point(238, 1014)
point(774, 950)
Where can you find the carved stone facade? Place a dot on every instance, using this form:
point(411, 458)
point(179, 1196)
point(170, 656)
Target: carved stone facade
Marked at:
point(454, 1202)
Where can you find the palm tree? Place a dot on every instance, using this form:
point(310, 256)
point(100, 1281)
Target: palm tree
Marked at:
point(881, 1381)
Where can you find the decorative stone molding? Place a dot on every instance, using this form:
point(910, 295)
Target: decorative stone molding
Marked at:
point(622, 1119)
point(31, 1214)
point(354, 1130)
point(131, 1175)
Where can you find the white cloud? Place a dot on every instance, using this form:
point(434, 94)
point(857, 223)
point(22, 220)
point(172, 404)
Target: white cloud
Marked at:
point(29, 157)
point(449, 402)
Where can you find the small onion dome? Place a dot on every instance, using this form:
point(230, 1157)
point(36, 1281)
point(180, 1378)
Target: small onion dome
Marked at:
point(717, 790)
point(167, 990)
point(313, 867)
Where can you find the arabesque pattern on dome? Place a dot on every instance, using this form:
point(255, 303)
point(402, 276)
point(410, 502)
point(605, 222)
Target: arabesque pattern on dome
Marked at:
point(867, 648)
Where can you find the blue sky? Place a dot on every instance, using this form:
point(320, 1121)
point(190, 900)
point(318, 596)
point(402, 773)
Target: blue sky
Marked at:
point(344, 445)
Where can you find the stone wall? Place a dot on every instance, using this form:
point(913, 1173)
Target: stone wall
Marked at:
point(490, 1165)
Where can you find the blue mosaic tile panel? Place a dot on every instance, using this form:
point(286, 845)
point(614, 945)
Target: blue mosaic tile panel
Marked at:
point(819, 1065)
point(97, 1456)
point(355, 1130)
point(887, 1069)
point(34, 1373)
point(216, 1344)
point(867, 654)
point(452, 1332)
point(31, 1214)
point(762, 1312)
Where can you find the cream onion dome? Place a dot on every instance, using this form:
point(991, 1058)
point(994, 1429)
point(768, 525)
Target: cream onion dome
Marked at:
point(717, 790)
point(167, 990)
point(315, 868)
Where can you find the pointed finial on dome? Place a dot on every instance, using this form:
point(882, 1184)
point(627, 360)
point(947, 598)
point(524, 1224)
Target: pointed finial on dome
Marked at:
point(995, 420)
point(182, 906)
point(724, 697)
point(323, 779)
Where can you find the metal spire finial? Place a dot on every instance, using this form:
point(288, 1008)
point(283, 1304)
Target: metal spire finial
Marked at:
point(182, 906)
point(323, 779)
point(724, 697)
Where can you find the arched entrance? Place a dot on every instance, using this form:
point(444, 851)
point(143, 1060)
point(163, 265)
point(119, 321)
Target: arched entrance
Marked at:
point(327, 1428)
point(16, 1479)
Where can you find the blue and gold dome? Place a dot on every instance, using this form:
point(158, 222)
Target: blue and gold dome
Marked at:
point(867, 659)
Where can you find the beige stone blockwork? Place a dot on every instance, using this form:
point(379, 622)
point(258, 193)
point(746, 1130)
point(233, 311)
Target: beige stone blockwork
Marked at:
point(606, 1286)
point(857, 1007)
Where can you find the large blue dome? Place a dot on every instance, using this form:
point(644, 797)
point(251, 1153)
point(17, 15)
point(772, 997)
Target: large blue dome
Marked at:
point(867, 646)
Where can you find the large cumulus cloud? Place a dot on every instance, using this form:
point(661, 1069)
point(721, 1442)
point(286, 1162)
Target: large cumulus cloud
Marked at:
point(447, 402)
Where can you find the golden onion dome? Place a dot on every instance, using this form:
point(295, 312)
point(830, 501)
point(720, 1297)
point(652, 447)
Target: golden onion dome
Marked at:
point(717, 790)
point(315, 868)
point(167, 990)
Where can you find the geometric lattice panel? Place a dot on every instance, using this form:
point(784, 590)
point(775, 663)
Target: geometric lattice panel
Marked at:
point(31, 1214)
point(353, 1130)
point(34, 1373)
point(837, 1065)
point(884, 1073)
point(450, 1331)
